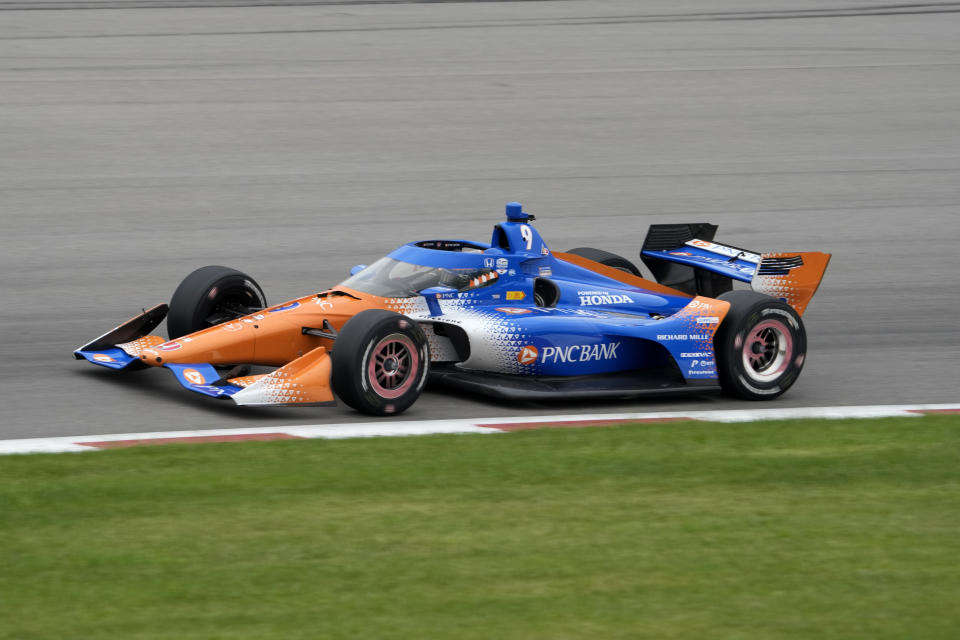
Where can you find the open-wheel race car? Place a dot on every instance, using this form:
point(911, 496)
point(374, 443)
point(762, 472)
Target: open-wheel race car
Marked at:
point(509, 318)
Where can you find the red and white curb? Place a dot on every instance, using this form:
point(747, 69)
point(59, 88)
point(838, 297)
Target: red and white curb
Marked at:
point(478, 425)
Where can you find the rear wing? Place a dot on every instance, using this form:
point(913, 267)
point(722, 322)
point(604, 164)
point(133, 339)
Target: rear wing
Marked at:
point(685, 257)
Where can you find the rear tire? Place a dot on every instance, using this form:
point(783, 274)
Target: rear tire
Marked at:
point(761, 346)
point(212, 295)
point(380, 362)
point(607, 259)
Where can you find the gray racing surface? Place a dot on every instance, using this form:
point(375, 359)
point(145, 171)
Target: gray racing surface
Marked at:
point(293, 142)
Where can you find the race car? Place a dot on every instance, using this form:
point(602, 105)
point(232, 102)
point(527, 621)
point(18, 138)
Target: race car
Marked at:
point(509, 318)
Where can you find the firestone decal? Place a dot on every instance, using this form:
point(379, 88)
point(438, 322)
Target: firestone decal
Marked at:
point(168, 346)
point(516, 311)
point(102, 357)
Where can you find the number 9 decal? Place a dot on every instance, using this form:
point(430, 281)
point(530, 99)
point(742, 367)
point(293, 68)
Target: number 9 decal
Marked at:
point(527, 234)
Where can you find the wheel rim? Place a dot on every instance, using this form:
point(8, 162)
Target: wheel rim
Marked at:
point(767, 350)
point(393, 366)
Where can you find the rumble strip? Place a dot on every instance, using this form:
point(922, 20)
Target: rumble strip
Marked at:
point(384, 428)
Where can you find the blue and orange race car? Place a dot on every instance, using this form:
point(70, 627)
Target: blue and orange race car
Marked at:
point(509, 318)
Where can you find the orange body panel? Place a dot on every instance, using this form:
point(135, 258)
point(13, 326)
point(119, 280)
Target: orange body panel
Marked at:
point(798, 286)
point(305, 380)
point(617, 274)
point(270, 337)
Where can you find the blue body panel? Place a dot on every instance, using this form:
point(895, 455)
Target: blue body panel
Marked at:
point(732, 267)
point(199, 378)
point(113, 358)
point(597, 325)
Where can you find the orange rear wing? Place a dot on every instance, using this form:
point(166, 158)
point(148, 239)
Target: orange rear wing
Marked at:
point(792, 277)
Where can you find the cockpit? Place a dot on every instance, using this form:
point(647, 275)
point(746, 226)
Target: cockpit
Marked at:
point(392, 278)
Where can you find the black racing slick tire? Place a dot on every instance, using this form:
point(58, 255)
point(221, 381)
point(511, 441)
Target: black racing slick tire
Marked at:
point(607, 259)
point(380, 362)
point(761, 346)
point(212, 295)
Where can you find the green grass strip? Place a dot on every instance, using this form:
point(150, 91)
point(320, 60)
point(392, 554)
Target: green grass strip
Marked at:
point(796, 529)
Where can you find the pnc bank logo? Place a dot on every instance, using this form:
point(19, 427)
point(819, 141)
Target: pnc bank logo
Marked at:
point(528, 355)
point(193, 376)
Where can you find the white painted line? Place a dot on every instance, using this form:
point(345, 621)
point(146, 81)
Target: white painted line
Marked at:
point(385, 428)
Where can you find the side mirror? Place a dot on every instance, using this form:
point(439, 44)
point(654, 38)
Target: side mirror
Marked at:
point(431, 294)
point(357, 269)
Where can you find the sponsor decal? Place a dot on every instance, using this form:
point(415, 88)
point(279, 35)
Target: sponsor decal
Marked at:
point(209, 387)
point(699, 354)
point(749, 271)
point(168, 346)
point(233, 326)
point(516, 311)
point(544, 251)
point(528, 355)
point(102, 357)
point(692, 336)
point(723, 250)
point(488, 263)
point(515, 295)
point(580, 353)
point(546, 271)
point(193, 376)
point(324, 304)
point(502, 263)
point(512, 272)
point(680, 253)
point(286, 307)
point(605, 298)
point(495, 296)
point(708, 320)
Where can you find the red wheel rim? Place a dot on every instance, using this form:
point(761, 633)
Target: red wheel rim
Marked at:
point(393, 366)
point(767, 350)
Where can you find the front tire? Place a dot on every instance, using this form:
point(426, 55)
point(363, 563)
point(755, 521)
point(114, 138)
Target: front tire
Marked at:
point(212, 295)
point(761, 346)
point(380, 362)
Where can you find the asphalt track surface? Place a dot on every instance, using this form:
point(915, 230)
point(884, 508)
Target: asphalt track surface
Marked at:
point(140, 140)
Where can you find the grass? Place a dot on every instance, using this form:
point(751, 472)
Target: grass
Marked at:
point(807, 529)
